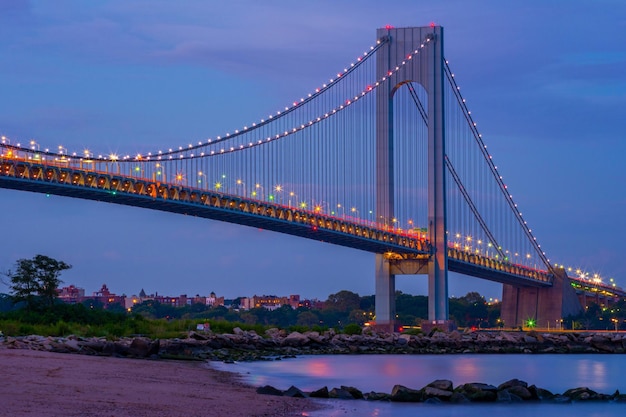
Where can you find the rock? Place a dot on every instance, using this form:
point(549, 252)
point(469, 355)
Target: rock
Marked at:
point(315, 337)
point(581, 394)
point(458, 398)
point(356, 394)
point(269, 390)
point(454, 335)
point(477, 392)
point(442, 384)
point(196, 336)
point(540, 393)
point(320, 393)
point(400, 393)
point(340, 393)
point(521, 392)
point(503, 396)
point(377, 396)
point(512, 383)
point(432, 392)
point(294, 339)
point(139, 347)
point(295, 392)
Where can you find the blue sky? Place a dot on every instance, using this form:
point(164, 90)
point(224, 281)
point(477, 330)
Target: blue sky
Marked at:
point(544, 80)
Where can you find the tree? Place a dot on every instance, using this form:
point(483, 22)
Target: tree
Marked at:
point(36, 277)
point(344, 301)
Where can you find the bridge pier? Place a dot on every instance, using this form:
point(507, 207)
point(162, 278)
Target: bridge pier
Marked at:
point(385, 299)
point(428, 71)
point(546, 307)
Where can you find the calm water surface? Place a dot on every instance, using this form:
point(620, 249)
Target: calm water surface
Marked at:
point(557, 373)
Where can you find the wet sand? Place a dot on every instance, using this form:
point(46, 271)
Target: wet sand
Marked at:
point(35, 383)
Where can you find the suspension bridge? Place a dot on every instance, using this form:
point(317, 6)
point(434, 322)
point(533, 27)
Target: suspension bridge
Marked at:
point(383, 157)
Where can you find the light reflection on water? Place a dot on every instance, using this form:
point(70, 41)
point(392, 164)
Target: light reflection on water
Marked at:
point(593, 372)
point(380, 373)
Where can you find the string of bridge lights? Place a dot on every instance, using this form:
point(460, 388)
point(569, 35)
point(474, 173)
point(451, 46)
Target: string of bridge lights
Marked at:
point(288, 109)
point(318, 91)
point(488, 157)
point(228, 136)
point(160, 154)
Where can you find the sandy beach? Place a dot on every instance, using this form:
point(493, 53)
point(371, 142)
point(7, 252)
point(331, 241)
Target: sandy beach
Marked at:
point(38, 383)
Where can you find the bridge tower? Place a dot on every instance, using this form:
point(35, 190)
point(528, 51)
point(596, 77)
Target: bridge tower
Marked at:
point(426, 69)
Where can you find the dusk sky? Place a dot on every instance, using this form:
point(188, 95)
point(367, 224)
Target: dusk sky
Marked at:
point(545, 81)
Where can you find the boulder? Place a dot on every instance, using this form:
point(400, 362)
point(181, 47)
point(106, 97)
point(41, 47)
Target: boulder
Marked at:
point(540, 393)
point(477, 392)
point(512, 383)
point(295, 392)
point(294, 339)
point(320, 393)
point(142, 348)
point(442, 384)
point(521, 392)
point(458, 398)
point(400, 393)
point(581, 394)
point(196, 336)
point(432, 392)
point(508, 397)
point(356, 394)
point(377, 396)
point(340, 394)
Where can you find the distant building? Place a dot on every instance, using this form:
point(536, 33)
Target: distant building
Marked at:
point(214, 301)
point(270, 302)
point(106, 297)
point(74, 295)
point(71, 294)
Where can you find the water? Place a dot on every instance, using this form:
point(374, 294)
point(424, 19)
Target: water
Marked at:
point(557, 373)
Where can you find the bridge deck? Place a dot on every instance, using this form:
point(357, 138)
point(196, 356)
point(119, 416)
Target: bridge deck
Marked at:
point(140, 192)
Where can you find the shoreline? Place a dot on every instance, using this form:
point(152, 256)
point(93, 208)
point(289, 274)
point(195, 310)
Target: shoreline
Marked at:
point(52, 384)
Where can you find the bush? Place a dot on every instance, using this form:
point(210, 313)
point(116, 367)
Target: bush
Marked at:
point(352, 329)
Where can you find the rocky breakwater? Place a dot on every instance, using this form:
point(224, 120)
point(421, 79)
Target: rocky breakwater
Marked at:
point(275, 343)
point(247, 345)
point(443, 391)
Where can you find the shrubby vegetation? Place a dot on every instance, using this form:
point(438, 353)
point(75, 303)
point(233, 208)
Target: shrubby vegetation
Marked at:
point(32, 309)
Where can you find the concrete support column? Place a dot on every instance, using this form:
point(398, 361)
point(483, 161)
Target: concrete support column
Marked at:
point(438, 264)
point(545, 306)
point(385, 299)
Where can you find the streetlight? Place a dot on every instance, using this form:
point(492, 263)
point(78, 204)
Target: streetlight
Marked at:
point(159, 173)
point(343, 213)
point(355, 213)
point(278, 188)
point(240, 182)
point(291, 194)
point(258, 188)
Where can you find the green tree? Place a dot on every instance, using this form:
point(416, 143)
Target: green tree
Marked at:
point(307, 318)
point(344, 301)
point(36, 277)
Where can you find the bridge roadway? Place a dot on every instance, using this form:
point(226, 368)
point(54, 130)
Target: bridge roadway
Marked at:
point(62, 179)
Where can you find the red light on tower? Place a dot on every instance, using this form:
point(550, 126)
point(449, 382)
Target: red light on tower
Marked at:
point(388, 27)
point(432, 24)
